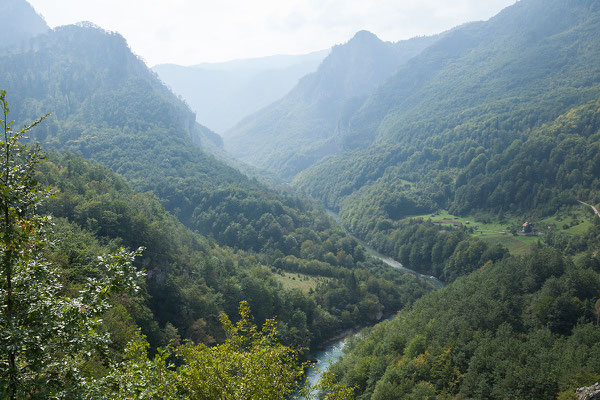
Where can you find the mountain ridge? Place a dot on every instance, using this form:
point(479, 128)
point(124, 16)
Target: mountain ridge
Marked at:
point(24, 23)
point(464, 96)
point(298, 130)
point(223, 93)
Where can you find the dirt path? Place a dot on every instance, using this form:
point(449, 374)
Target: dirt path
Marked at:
point(593, 208)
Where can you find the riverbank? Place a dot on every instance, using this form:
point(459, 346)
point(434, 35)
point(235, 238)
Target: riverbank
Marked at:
point(438, 284)
point(333, 349)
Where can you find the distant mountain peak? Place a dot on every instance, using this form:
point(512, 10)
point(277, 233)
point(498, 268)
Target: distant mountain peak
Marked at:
point(364, 35)
point(20, 22)
point(362, 39)
point(303, 127)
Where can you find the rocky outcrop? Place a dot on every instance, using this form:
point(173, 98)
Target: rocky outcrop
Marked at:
point(589, 393)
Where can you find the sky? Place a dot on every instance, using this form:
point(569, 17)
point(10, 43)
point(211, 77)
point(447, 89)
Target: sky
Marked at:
point(189, 32)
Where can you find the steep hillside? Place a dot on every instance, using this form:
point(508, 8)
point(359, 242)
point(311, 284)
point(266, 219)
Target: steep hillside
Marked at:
point(530, 332)
point(221, 94)
point(191, 279)
point(497, 116)
point(300, 129)
point(20, 22)
point(108, 107)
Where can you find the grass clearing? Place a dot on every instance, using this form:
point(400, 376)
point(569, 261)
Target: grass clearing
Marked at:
point(444, 218)
point(572, 221)
point(516, 245)
point(292, 280)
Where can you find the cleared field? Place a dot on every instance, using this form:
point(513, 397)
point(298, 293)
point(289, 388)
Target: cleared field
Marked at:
point(291, 280)
point(516, 245)
point(574, 221)
point(443, 217)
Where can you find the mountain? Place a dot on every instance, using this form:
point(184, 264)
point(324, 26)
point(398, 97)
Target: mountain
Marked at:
point(236, 238)
point(222, 94)
point(20, 23)
point(495, 117)
point(301, 128)
point(498, 120)
point(108, 106)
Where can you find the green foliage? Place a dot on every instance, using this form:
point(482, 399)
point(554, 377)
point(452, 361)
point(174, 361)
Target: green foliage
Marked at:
point(141, 377)
point(249, 364)
point(56, 337)
point(47, 340)
point(520, 328)
point(191, 279)
point(495, 117)
point(427, 248)
point(107, 106)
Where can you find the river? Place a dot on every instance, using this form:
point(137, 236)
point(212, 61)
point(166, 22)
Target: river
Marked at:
point(388, 260)
point(331, 354)
point(334, 351)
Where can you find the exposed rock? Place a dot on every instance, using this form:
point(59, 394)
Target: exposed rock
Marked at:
point(589, 393)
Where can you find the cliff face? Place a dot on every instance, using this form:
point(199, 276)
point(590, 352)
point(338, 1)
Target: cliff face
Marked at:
point(589, 393)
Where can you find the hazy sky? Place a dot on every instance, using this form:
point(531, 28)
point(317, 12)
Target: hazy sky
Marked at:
point(193, 31)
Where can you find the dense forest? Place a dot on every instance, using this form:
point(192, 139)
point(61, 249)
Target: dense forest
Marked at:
point(192, 282)
point(453, 123)
point(496, 118)
point(137, 260)
point(248, 242)
point(530, 333)
point(192, 279)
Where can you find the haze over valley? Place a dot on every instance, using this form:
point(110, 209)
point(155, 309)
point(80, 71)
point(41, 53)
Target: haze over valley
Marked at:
point(422, 205)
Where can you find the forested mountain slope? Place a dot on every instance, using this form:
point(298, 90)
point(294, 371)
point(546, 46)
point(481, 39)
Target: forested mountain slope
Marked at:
point(498, 116)
point(107, 106)
point(221, 94)
point(20, 23)
point(191, 279)
point(523, 328)
point(300, 129)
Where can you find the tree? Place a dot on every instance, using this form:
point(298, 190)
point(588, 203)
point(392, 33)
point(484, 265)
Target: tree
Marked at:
point(250, 365)
point(46, 339)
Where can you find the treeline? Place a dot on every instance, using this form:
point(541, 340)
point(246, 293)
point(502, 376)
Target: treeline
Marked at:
point(555, 165)
point(445, 253)
point(535, 171)
point(423, 246)
point(74, 298)
point(108, 107)
point(574, 244)
point(523, 327)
